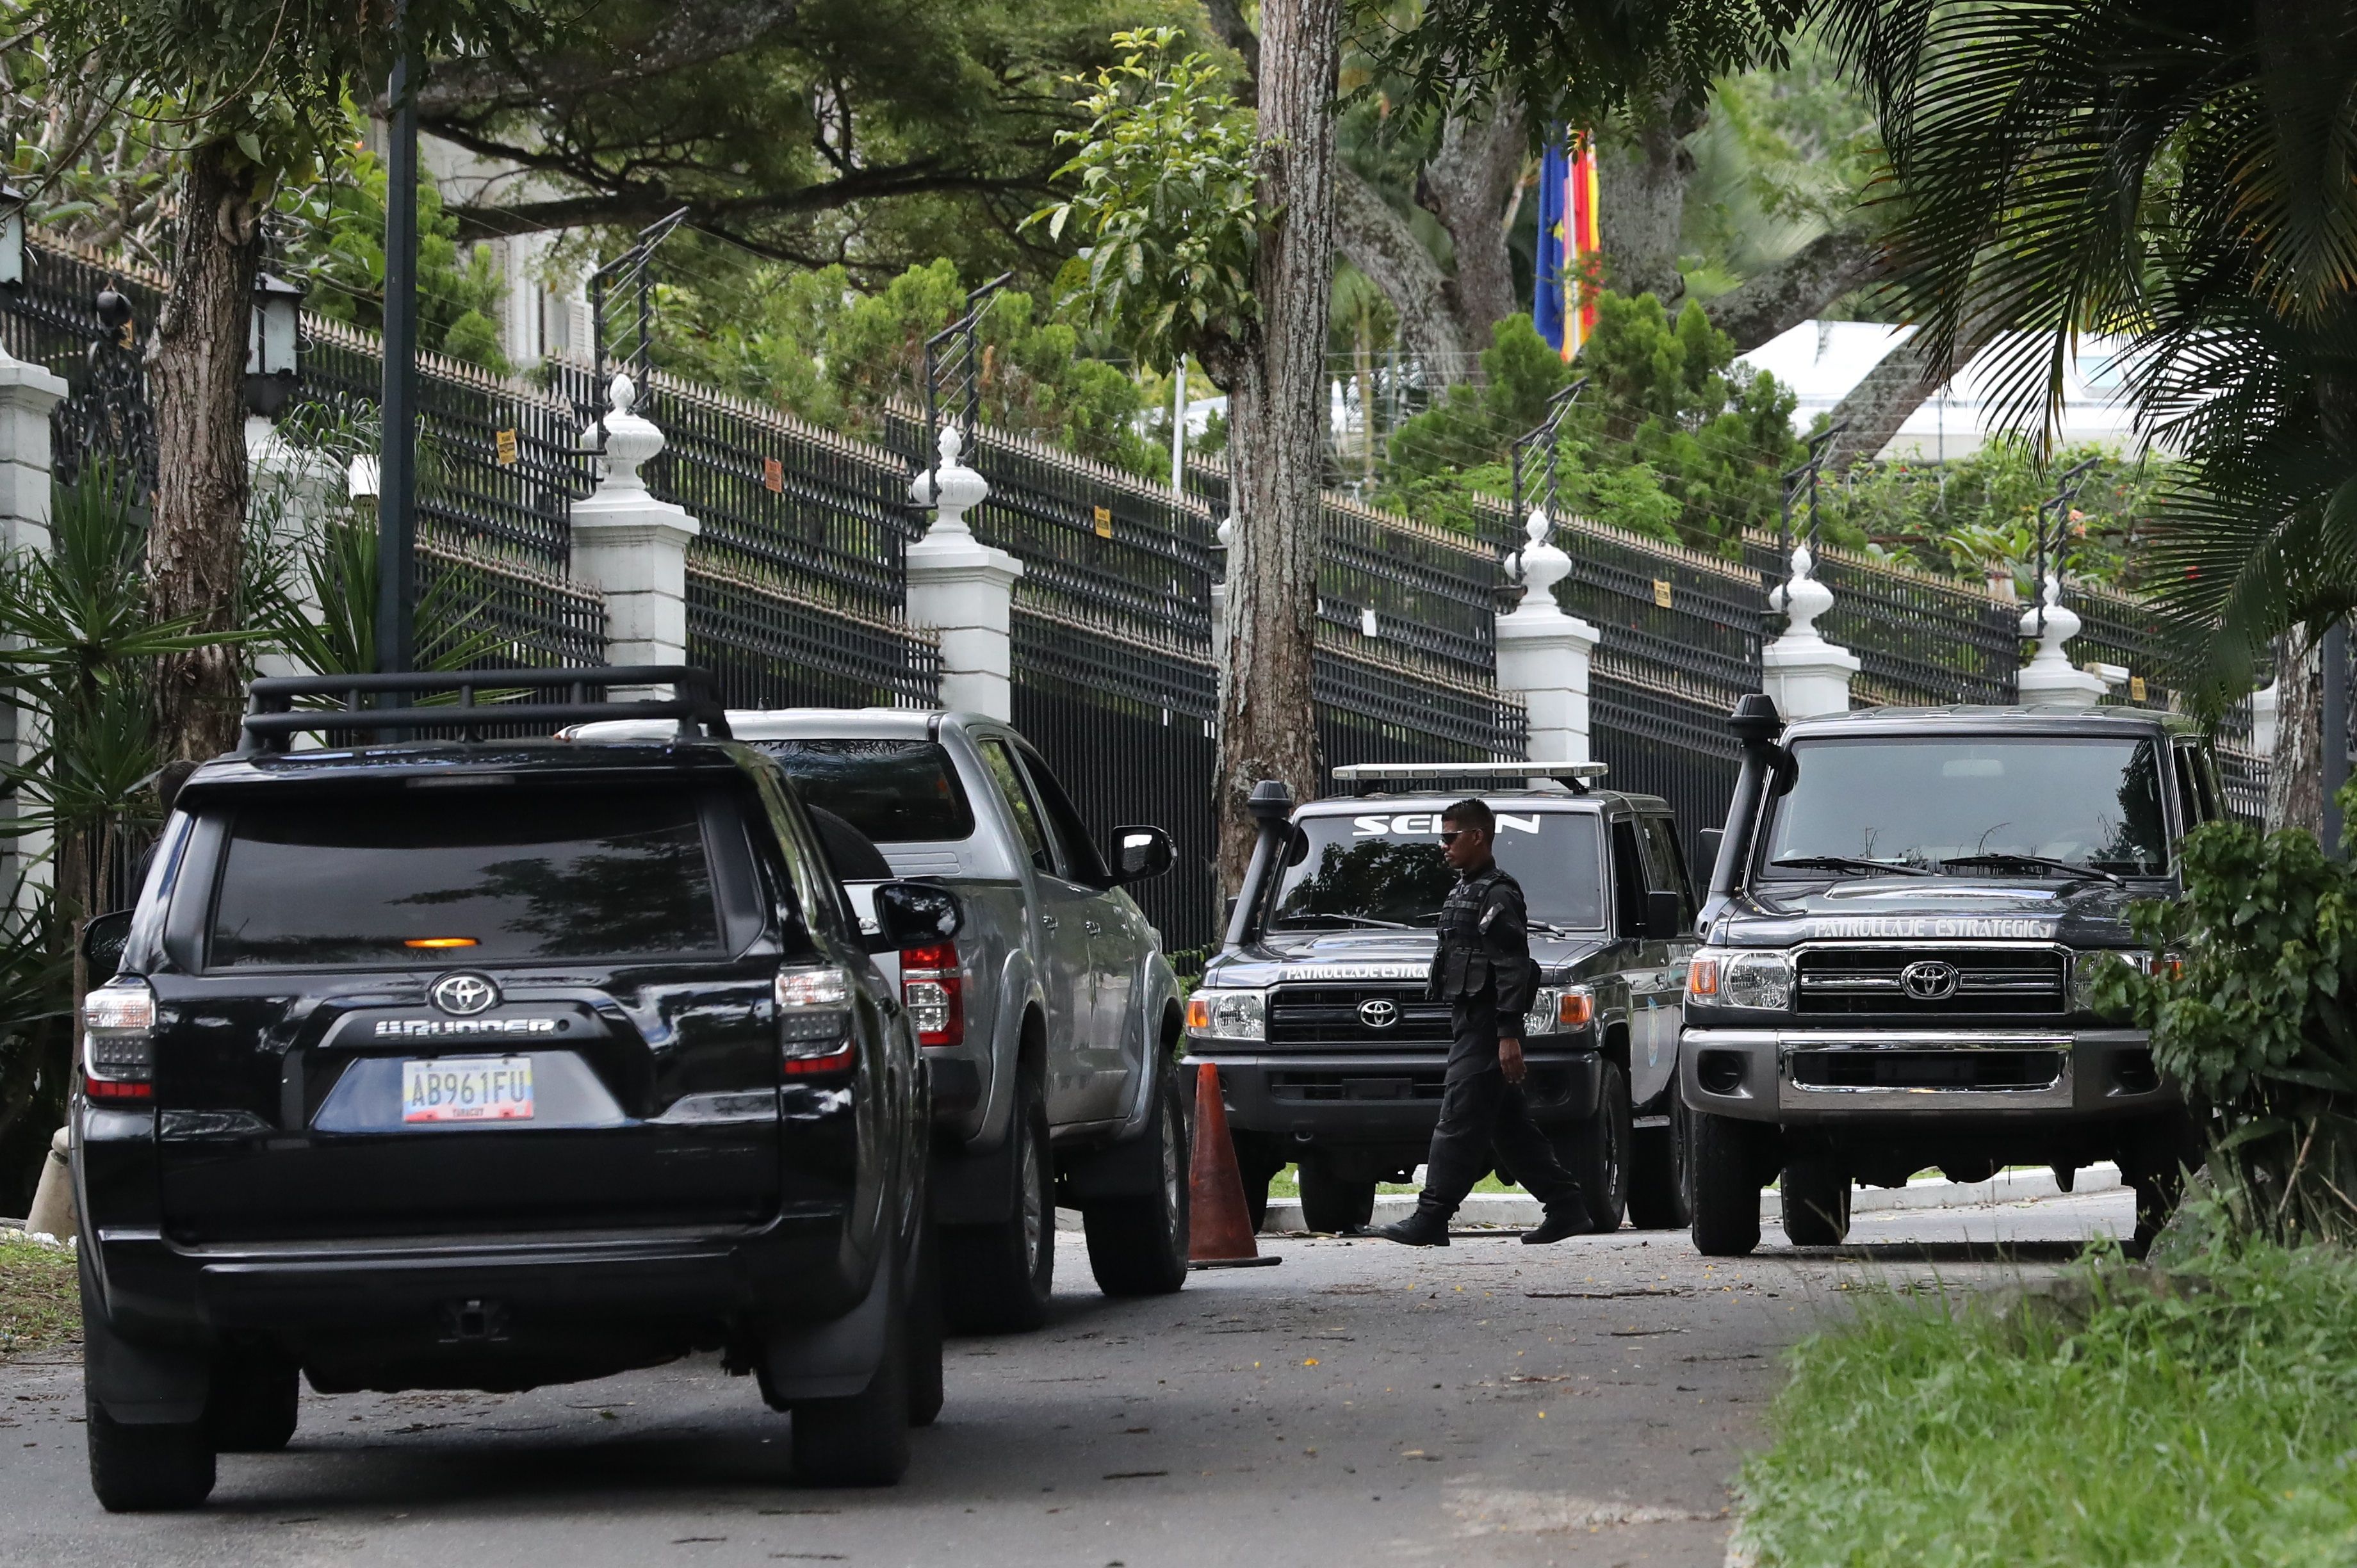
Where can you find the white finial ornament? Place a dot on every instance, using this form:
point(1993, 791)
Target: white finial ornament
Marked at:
point(2049, 677)
point(630, 438)
point(1800, 598)
point(952, 489)
point(1540, 565)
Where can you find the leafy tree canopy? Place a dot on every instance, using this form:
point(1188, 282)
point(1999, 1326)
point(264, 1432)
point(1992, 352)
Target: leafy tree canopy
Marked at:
point(1669, 439)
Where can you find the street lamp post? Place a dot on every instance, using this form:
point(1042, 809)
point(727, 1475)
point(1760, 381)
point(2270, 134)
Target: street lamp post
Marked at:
point(396, 512)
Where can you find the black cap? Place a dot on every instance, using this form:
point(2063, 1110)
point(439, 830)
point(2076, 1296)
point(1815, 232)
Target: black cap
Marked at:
point(1754, 720)
point(1271, 800)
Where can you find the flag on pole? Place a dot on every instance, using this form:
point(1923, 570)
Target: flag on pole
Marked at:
point(1564, 304)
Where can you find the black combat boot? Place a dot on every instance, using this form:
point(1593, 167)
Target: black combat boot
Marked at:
point(1427, 1226)
point(1567, 1216)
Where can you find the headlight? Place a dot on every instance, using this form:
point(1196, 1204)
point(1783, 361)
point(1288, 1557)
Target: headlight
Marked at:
point(1219, 1014)
point(1761, 980)
point(1559, 1010)
point(2086, 966)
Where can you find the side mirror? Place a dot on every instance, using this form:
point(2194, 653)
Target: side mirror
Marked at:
point(1139, 853)
point(104, 937)
point(913, 914)
point(1708, 840)
point(1664, 916)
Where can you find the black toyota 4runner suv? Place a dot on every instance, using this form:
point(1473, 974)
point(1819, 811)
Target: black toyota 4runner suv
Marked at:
point(489, 1064)
point(1908, 907)
point(1330, 1054)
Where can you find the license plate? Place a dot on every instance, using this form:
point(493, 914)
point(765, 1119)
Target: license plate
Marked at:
point(466, 1089)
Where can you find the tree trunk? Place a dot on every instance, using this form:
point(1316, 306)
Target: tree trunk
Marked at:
point(1380, 243)
point(1792, 291)
point(198, 369)
point(2296, 776)
point(1268, 725)
point(1467, 185)
point(1879, 406)
point(1641, 173)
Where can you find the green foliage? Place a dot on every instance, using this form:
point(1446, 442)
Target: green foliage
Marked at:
point(2258, 1026)
point(1977, 515)
point(1668, 439)
point(40, 1306)
point(2135, 1420)
point(1165, 210)
point(339, 252)
point(806, 342)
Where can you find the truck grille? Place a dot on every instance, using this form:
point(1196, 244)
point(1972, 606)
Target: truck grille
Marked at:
point(2028, 982)
point(1927, 1069)
point(1342, 1015)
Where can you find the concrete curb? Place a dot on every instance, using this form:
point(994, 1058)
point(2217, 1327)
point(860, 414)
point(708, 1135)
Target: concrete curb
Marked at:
point(1925, 1192)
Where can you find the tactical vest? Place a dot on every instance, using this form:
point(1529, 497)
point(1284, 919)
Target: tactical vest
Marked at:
point(1460, 968)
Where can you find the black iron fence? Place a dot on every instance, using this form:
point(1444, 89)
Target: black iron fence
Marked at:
point(773, 649)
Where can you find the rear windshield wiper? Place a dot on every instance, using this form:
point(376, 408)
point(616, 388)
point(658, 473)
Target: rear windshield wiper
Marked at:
point(1848, 863)
point(1999, 859)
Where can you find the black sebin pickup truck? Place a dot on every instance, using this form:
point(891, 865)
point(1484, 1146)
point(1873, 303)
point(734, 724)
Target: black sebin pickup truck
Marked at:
point(1314, 1009)
point(1906, 912)
point(490, 1064)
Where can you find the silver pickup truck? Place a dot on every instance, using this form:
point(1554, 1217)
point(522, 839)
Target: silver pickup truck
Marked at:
point(1050, 1025)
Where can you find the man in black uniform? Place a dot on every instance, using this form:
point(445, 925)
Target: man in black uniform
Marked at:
point(1482, 968)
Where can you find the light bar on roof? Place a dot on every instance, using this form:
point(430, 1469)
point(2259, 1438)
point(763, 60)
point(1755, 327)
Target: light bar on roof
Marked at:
point(1355, 772)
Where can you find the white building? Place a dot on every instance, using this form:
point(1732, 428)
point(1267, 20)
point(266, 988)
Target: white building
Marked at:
point(1822, 361)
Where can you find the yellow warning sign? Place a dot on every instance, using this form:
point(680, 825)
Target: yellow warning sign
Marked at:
point(1104, 521)
point(506, 440)
point(1660, 593)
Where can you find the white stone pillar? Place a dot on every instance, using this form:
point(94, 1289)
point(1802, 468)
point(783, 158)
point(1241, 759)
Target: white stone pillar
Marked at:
point(2265, 709)
point(2050, 679)
point(301, 491)
point(1544, 654)
point(963, 589)
point(1800, 670)
point(27, 393)
point(632, 548)
point(1227, 533)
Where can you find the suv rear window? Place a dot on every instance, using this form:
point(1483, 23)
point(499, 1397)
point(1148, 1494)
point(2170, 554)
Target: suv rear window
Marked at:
point(895, 791)
point(436, 879)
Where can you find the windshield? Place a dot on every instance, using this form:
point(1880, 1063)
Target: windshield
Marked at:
point(507, 875)
point(2005, 806)
point(895, 791)
point(1385, 869)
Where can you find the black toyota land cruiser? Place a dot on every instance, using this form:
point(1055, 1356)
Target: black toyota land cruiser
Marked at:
point(1906, 910)
point(490, 1064)
point(1330, 1053)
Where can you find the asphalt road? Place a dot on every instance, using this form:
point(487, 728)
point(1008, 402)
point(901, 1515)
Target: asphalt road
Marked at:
point(1359, 1404)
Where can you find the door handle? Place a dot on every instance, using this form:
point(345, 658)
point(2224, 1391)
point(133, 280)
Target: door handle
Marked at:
point(1048, 921)
point(1092, 928)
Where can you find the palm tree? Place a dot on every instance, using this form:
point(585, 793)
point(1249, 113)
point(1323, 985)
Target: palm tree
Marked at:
point(2180, 171)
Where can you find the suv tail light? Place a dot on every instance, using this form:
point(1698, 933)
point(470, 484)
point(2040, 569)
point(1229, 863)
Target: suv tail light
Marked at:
point(815, 1019)
point(118, 1042)
point(933, 990)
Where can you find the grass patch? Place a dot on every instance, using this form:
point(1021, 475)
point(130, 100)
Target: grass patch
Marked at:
point(39, 1309)
point(2208, 1416)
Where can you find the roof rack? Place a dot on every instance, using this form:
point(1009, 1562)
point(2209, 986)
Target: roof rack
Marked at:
point(1577, 775)
point(271, 721)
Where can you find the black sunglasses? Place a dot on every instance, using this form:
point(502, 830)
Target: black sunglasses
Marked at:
point(1450, 835)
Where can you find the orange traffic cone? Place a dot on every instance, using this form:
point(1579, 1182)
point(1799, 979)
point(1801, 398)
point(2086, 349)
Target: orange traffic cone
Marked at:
point(1220, 1233)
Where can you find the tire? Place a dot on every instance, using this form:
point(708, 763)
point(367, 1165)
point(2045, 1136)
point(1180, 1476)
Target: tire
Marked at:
point(254, 1404)
point(998, 1279)
point(1137, 1246)
point(1595, 1150)
point(1726, 1185)
point(1815, 1198)
point(1330, 1203)
point(925, 1331)
point(861, 1441)
point(1661, 1173)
